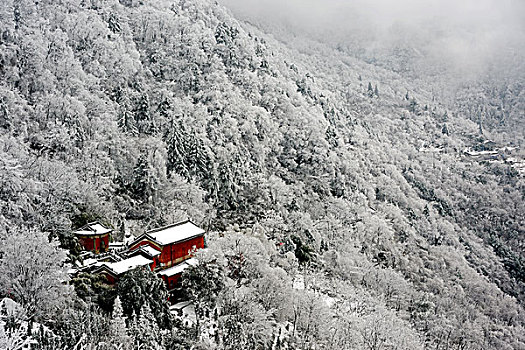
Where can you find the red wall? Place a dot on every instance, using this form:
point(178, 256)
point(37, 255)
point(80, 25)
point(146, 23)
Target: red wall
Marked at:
point(106, 243)
point(155, 263)
point(171, 282)
point(87, 242)
point(144, 243)
point(93, 244)
point(174, 253)
point(110, 278)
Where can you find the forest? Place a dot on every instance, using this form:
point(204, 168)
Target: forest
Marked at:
point(341, 208)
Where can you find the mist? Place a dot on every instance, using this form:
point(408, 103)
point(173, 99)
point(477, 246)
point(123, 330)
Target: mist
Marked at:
point(467, 37)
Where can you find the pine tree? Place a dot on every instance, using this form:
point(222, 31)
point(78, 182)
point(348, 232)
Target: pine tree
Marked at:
point(4, 116)
point(143, 184)
point(114, 23)
point(143, 116)
point(197, 158)
point(141, 286)
point(117, 327)
point(164, 108)
point(202, 284)
point(227, 187)
point(176, 142)
point(413, 105)
point(480, 123)
point(146, 330)
point(126, 119)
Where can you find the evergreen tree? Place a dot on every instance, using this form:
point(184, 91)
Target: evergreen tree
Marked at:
point(413, 105)
point(164, 109)
point(114, 23)
point(141, 286)
point(145, 330)
point(117, 327)
point(126, 119)
point(197, 158)
point(370, 89)
point(202, 285)
point(177, 149)
point(144, 184)
point(143, 116)
point(480, 123)
point(444, 129)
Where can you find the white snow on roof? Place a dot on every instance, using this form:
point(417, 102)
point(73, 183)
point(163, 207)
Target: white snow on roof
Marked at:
point(150, 250)
point(93, 228)
point(175, 270)
point(90, 261)
point(128, 264)
point(188, 316)
point(176, 233)
point(128, 239)
point(99, 229)
point(84, 233)
point(180, 305)
point(192, 262)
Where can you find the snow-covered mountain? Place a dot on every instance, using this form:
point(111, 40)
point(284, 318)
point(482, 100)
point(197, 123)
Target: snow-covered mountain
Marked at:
point(341, 208)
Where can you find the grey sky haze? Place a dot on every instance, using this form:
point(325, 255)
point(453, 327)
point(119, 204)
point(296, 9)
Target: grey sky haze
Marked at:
point(467, 33)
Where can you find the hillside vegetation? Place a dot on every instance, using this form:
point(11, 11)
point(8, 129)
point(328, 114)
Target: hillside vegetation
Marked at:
point(307, 163)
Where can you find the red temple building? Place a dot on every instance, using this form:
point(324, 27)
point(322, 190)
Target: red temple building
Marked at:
point(167, 250)
point(172, 276)
point(148, 252)
point(113, 271)
point(94, 237)
point(175, 243)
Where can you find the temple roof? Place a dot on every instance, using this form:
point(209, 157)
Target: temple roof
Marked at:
point(178, 232)
point(150, 250)
point(120, 267)
point(92, 229)
point(146, 250)
point(179, 268)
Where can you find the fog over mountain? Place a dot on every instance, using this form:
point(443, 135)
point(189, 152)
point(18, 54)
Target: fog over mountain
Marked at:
point(466, 37)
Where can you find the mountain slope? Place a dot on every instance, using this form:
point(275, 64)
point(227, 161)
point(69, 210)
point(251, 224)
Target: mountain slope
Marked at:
point(150, 112)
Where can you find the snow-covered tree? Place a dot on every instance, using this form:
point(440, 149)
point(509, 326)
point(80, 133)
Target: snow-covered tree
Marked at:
point(141, 286)
point(118, 332)
point(33, 272)
point(145, 330)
